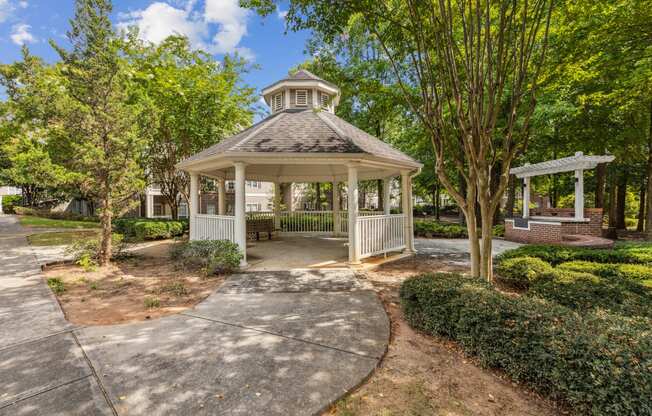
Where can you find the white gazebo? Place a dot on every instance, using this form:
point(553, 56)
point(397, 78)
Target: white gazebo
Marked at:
point(304, 141)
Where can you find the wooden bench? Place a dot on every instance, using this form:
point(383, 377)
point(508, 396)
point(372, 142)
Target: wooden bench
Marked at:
point(260, 225)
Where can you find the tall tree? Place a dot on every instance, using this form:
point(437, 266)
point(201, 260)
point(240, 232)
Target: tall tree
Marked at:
point(470, 62)
point(100, 120)
point(193, 102)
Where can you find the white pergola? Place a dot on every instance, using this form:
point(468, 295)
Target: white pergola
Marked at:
point(578, 164)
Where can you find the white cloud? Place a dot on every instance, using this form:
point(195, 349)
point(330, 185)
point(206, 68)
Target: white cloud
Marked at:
point(224, 19)
point(281, 14)
point(5, 10)
point(20, 34)
point(23, 4)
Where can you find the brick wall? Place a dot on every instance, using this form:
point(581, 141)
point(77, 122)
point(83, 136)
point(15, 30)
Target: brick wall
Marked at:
point(538, 233)
point(593, 227)
point(554, 232)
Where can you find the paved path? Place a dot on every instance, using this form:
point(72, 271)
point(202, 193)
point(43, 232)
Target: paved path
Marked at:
point(455, 251)
point(266, 343)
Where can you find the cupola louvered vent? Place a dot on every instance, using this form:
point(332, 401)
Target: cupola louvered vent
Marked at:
point(277, 102)
point(301, 98)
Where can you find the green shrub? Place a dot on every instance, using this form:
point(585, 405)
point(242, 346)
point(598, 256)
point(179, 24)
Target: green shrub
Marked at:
point(85, 251)
point(499, 230)
point(520, 272)
point(149, 229)
point(56, 285)
point(214, 256)
point(151, 302)
point(10, 203)
point(53, 215)
point(433, 228)
point(597, 363)
point(585, 292)
point(634, 253)
point(627, 271)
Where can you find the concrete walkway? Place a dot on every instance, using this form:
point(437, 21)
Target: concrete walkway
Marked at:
point(277, 343)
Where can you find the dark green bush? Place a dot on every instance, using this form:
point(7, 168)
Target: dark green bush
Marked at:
point(597, 363)
point(520, 272)
point(433, 228)
point(214, 256)
point(54, 215)
point(586, 292)
point(499, 230)
point(634, 253)
point(10, 202)
point(149, 228)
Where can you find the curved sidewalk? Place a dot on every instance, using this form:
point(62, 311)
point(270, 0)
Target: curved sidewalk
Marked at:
point(287, 343)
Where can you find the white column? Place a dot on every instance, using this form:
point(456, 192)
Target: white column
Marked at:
point(193, 203)
point(354, 238)
point(149, 203)
point(406, 207)
point(579, 194)
point(240, 216)
point(221, 197)
point(1, 212)
point(277, 206)
point(337, 226)
point(387, 182)
point(526, 197)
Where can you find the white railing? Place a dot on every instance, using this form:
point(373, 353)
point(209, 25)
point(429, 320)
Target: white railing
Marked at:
point(306, 221)
point(212, 227)
point(379, 234)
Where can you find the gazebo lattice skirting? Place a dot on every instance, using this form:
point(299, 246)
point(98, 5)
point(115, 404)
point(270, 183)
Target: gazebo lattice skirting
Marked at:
point(304, 141)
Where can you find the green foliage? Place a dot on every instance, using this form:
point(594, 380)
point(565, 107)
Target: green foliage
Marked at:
point(499, 230)
point(39, 222)
point(86, 262)
point(635, 253)
point(213, 256)
point(598, 363)
point(433, 228)
point(55, 215)
point(521, 272)
point(176, 288)
point(149, 229)
point(639, 272)
point(10, 202)
point(585, 292)
point(56, 284)
point(151, 302)
point(59, 238)
point(88, 248)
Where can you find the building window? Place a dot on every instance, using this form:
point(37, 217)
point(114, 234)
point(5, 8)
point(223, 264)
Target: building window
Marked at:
point(183, 210)
point(158, 210)
point(301, 98)
point(253, 207)
point(230, 185)
point(277, 102)
point(324, 100)
point(253, 184)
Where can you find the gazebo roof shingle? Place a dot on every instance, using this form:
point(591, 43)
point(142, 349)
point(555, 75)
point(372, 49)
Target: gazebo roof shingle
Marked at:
point(304, 132)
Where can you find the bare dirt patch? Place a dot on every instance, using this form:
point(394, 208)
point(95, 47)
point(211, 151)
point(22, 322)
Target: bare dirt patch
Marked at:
point(130, 290)
point(424, 375)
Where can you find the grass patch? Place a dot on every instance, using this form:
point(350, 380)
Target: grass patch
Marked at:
point(39, 222)
point(60, 238)
point(56, 284)
point(151, 302)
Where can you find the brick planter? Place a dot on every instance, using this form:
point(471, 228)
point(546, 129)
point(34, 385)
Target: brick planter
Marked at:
point(553, 226)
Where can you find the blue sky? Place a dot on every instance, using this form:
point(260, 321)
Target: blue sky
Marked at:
point(218, 26)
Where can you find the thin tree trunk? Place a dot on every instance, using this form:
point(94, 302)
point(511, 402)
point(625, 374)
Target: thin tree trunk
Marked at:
point(511, 197)
point(600, 177)
point(105, 245)
point(486, 267)
point(461, 215)
point(613, 190)
point(621, 199)
point(438, 202)
point(641, 208)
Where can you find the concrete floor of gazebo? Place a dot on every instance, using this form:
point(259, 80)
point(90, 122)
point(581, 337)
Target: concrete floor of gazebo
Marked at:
point(306, 252)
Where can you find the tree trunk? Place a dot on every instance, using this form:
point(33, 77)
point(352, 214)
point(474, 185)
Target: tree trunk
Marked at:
point(641, 208)
point(486, 267)
point(437, 202)
point(379, 187)
point(461, 215)
point(495, 182)
point(472, 230)
point(105, 246)
point(600, 178)
point(621, 199)
point(511, 197)
point(613, 190)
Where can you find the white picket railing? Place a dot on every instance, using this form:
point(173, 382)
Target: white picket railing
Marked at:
point(306, 221)
point(212, 227)
point(379, 234)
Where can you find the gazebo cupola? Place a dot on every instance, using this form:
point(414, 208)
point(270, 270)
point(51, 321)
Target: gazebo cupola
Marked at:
point(300, 91)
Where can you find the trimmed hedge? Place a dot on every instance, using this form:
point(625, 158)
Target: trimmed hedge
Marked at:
point(633, 253)
point(520, 272)
point(149, 228)
point(585, 292)
point(10, 202)
point(433, 228)
point(597, 363)
point(213, 256)
point(639, 272)
point(53, 215)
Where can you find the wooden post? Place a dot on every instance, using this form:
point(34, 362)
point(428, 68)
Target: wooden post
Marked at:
point(240, 215)
point(277, 206)
point(406, 207)
point(354, 239)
